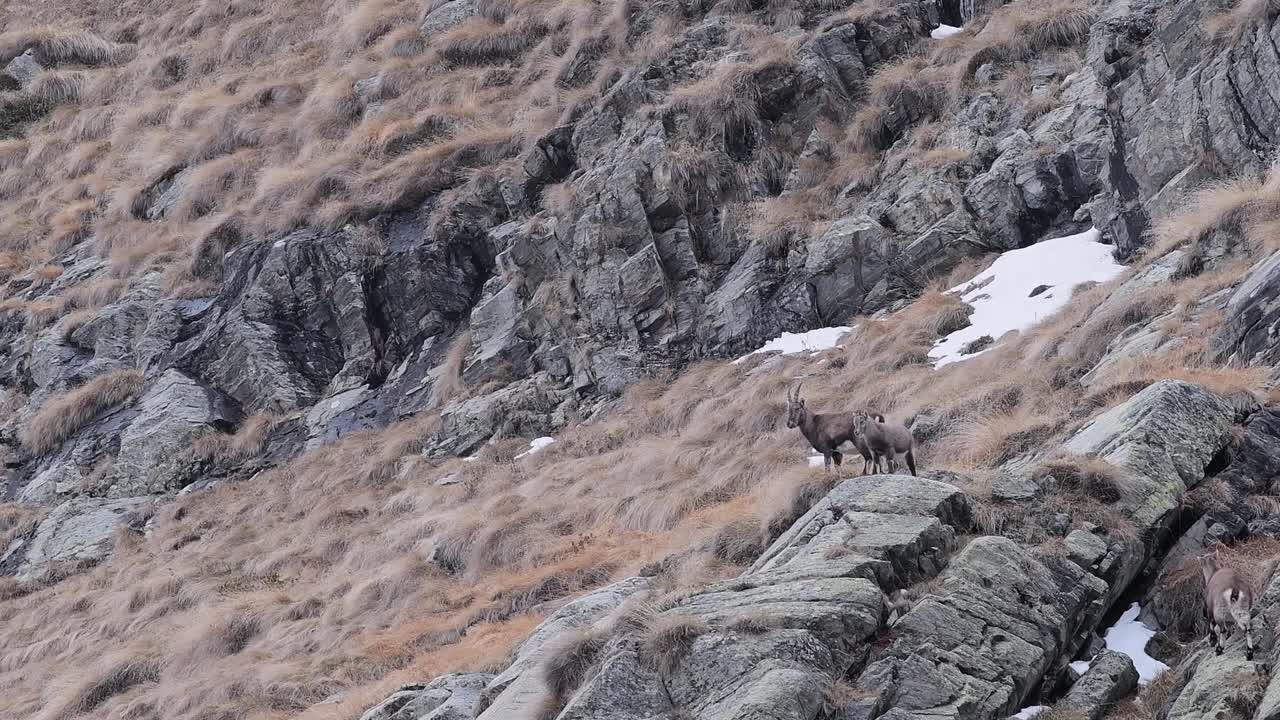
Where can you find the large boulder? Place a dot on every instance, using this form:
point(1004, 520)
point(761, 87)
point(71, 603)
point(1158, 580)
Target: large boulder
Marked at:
point(446, 16)
point(1110, 677)
point(174, 411)
point(77, 532)
point(1163, 439)
point(761, 647)
point(1161, 442)
point(20, 72)
point(894, 529)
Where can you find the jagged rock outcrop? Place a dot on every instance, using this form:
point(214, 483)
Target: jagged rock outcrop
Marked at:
point(448, 697)
point(981, 644)
point(77, 533)
point(994, 626)
point(883, 528)
point(1247, 337)
point(520, 689)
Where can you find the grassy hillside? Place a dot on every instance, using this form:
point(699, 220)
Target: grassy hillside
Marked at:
point(351, 569)
point(312, 589)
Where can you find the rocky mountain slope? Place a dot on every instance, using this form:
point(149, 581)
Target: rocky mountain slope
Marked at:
point(287, 291)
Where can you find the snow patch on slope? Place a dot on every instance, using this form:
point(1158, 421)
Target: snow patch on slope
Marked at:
point(791, 343)
point(944, 31)
point(1001, 295)
point(536, 446)
point(1130, 637)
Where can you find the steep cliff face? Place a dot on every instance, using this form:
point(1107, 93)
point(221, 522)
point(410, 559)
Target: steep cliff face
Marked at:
point(715, 174)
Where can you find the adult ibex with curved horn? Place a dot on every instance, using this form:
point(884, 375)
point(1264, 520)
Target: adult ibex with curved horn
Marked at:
point(829, 431)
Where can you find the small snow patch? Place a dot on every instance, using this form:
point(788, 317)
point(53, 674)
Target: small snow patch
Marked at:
point(811, 342)
point(944, 31)
point(815, 461)
point(1000, 296)
point(1027, 713)
point(1130, 637)
point(536, 446)
point(1080, 666)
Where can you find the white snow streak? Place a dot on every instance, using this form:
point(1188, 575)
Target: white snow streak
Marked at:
point(944, 31)
point(1130, 637)
point(812, 341)
point(536, 445)
point(1001, 295)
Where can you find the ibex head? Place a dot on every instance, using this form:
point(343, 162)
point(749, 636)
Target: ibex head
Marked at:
point(1209, 565)
point(795, 407)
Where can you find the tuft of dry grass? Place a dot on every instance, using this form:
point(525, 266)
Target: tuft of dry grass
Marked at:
point(1091, 476)
point(103, 683)
point(1247, 689)
point(1227, 206)
point(1229, 26)
point(62, 416)
point(568, 662)
point(667, 639)
point(247, 441)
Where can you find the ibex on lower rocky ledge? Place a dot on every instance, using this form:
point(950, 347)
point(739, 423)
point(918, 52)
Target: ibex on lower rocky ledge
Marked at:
point(828, 431)
point(1228, 598)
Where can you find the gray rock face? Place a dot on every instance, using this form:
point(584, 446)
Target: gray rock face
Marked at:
point(739, 668)
point(1110, 677)
point(1162, 440)
point(892, 528)
point(1208, 692)
point(174, 411)
point(20, 72)
point(981, 644)
point(448, 697)
point(519, 689)
point(1252, 318)
point(77, 531)
point(447, 16)
point(1165, 436)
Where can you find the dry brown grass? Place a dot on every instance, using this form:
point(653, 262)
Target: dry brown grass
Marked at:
point(1022, 30)
point(256, 599)
point(568, 662)
point(247, 441)
point(1227, 206)
point(1230, 25)
point(60, 417)
point(1182, 587)
point(1091, 476)
point(667, 639)
point(393, 578)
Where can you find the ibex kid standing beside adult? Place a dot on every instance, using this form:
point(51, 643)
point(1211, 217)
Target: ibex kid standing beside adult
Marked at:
point(828, 431)
point(887, 441)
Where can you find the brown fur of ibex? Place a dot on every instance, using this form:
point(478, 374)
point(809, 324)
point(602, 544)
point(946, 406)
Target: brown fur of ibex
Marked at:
point(1228, 599)
point(826, 432)
point(887, 440)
